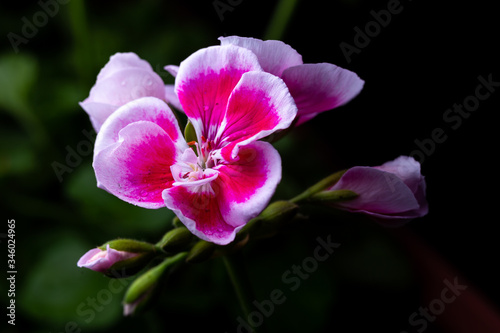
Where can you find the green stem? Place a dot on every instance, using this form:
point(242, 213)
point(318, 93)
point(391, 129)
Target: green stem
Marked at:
point(239, 279)
point(280, 19)
point(318, 187)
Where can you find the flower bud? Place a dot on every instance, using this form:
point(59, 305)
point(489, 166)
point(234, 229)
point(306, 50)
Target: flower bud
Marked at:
point(144, 287)
point(190, 133)
point(271, 219)
point(177, 223)
point(392, 193)
point(176, 240)
point(201, 251)
point(122, 255)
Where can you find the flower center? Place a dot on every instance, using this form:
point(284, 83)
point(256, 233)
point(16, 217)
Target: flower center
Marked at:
point(196, 164)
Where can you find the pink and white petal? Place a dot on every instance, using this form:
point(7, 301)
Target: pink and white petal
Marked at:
point(172, 69)
point(127, 85)
point(379, 192)
point(274, 55)
point(120, 61)
point(143, 109)
point(136, 168)
point(98, 112)
point(245, 187)
point(171, 97)
point(206, 79)
point(259, 105)
point(321, 87)
point(406, 168)
point(89, 258)
point(198, 209)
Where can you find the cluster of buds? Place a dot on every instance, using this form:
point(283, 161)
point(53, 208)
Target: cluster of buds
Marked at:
point(122, 258)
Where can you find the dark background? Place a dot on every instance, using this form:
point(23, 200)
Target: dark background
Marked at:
point(424, 61)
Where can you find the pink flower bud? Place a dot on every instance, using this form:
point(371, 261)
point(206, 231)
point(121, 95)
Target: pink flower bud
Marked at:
point(102, 260)
point(391, 193)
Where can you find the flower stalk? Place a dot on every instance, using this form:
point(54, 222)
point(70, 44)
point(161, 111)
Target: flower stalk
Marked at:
point(141, 290)
point(318, 187)
point(235, 268)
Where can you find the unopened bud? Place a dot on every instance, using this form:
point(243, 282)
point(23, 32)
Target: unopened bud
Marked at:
point(201, 251)
point(141, 290)
point(175, 240)
point(190, 133)
point(122, 255)
point(273, 218)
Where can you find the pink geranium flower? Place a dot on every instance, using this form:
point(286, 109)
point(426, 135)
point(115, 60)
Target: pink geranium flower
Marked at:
point(124, 78)
point(102, 260)
point(314, 87)
point(391, 193)
point(227, 177)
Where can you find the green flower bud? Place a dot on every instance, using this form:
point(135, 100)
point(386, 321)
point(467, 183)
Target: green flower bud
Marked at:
point(177, 223)
point(274, 217)
point(143, 288)
point(129, 245)
point(176, 240)
point(190, 133)
point(201, 251)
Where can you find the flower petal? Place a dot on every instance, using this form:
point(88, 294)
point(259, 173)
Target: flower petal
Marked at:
point(198, 208)
point(124, 78)
point(120, 61)
point(136, 168)
point(246, 185)
point(171, 97)
point(274, 55)
point(172, 69)
point(379, 192)
point(144, 109)
point(89, 259)
point(98, 112)
point(406, 168)
point(206, 79)
point(127, 85)
point(216, 211)
point(259, 105)
point(320, 87)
